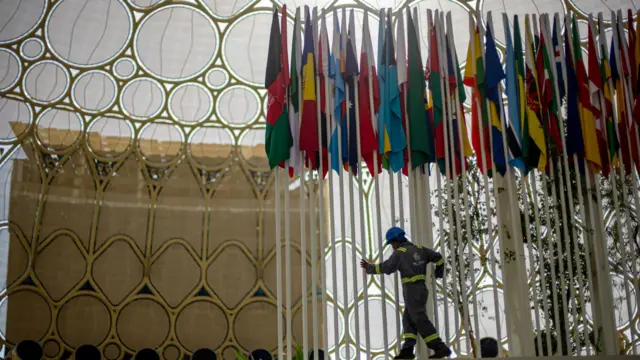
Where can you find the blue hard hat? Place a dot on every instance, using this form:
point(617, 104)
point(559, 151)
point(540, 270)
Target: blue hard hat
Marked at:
point(395, 234)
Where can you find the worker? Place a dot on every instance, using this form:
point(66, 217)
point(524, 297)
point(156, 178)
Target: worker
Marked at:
point(411, 260)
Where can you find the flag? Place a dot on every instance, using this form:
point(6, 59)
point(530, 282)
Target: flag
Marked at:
point(575, 143)
point(635, 50)
point(349, 73)
point(338, 141)
point(294, 98)
point(628, 140)
point(474, 78)
point(548, 98)
point(557, 59)
point(596, 85)
point(417, 121)
point(309, 142)
point(495, 74)
point(323, 71)
point(587, 118)
point(437, 97)
point(278, 137)
point(383, 136)
point(516, 97)
point(401, 57)
point(605, 69)
point(369, 100)
point(394, 139)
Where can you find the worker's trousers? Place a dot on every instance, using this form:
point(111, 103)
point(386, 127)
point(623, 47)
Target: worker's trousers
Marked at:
point(415, 320)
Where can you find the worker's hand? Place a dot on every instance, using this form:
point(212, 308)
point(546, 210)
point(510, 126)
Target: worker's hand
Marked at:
point(363, 263)
point(439, 272)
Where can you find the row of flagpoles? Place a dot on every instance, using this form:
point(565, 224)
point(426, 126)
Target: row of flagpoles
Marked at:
point(328, 113)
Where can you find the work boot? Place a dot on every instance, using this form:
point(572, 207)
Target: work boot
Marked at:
point(442, 351)
point(406, 353)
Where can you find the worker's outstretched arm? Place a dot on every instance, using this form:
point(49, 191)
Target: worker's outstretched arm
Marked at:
point(388, 266)
point(435, 257)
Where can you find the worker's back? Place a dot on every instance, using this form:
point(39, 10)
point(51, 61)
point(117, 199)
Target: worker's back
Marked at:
point(413, 266)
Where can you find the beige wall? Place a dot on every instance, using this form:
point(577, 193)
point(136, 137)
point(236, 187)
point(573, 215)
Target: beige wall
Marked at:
point(127, 261)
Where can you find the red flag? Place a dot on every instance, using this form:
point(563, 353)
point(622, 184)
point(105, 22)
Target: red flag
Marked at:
point(368, 139)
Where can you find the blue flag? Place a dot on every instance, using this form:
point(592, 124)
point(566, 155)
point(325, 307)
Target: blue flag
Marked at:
point(558, 61)
point(514, 126)
point(338, 99)
point(350, 73)
point(575, 143)
point(494, 75)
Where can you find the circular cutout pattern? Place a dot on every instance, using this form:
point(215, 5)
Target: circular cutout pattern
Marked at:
point(252, 149)
point(32, 48)
point(27, 308)
point(111, 351)
point(160, 142)
point(15, 118)
point(46, 82)
point(217, 78)
point(93, 328)
point(251, 336)
point(94, 91)
point(375, 305)
point(245, 39)
point(238, 105)
point(142, 98)
point(79, 37)
point(109, 137)
point(9, 69)
point(21, 18)
point(145, 4)
point(210, 147)
point(58, 129)
point(171, 352)
point(88, 352)
point(143, 324)
point(198, 318)
point(190, 103)
point(176, 42)
point(124, 68)
point(51, 348)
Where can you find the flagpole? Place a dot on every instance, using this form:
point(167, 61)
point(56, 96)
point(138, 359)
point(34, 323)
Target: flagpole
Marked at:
point(617, 44)
point(352, 216)
point(554, 291)
point(279, 263)
point(376, 185)
point(485, 164)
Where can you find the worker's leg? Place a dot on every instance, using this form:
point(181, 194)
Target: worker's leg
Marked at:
point(410, 333)
point(416, 302)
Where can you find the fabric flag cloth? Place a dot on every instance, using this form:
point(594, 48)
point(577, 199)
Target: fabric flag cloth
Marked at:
point(605, 69)
point(587, 110)
point(628, 140)
point(575, 143)
point(349, 73)
point(516, 96)
point(294, 98)
point(437, 97)
point(596, 87)
point(495, 74)
point(401, 66)
point(550, 109)
point(636, 64)
point(278, 137)
point(323, 71)
point(394, 140)
point(474, 77)
point(380, 128)
point(309, 139)
point(366, 95)
point(557, 60)
point(420, 135)
point(335, 73)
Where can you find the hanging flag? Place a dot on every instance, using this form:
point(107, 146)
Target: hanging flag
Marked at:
point(401, 57)
point(605, 69)
point(437, 97)
point(278, 138)
point(350, 73)
point(516, 97)
point(495, 74)
point(369, 98)
point(632, 49)
point(383, 134)
point(394, 139)
point(596, 86)
point(323, 70)
point(587, 118)
point(635, 50)
point(557, 59)
point(575, 143)
point(294, 98)
point(474, 78)
point(550, 109)
point(337, 144)
point(628, 140)
point(309, 142)
point(419, 132)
